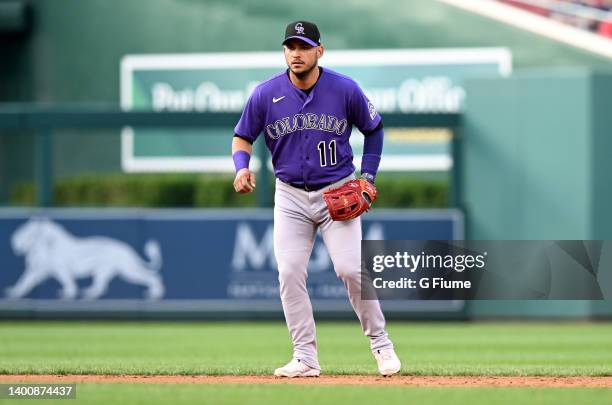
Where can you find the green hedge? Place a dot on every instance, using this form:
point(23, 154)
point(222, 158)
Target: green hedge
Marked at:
point(208, 190)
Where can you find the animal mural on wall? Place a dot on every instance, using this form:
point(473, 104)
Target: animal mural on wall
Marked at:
point(50, 251)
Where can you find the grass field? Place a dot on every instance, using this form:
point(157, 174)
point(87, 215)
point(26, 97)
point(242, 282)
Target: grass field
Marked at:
point(257, 348)
point(246, 348)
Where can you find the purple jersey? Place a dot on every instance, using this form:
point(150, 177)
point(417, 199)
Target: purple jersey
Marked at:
point(308, 135)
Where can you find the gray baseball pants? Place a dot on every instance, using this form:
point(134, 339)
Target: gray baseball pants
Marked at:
point(297, 216)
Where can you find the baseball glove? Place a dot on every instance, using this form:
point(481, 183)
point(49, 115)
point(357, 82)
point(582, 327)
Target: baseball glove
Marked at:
point(350, 200)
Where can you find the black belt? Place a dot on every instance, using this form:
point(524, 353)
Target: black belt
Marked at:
point(310, 187)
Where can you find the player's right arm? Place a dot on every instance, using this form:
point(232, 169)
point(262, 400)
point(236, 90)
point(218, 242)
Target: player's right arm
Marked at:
point(246, 132)
point(244, 182)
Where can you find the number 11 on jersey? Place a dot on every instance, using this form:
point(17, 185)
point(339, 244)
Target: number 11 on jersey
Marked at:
point(332, 153)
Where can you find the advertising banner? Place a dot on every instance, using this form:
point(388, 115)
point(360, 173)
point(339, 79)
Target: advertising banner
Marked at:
point(400, 81)
point(172, 259)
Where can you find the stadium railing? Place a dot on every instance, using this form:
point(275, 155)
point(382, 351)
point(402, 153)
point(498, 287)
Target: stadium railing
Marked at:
point(44, 120)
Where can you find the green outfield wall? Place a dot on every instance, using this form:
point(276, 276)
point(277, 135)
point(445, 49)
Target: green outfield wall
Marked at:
point(537, 144)
point(70, 51)
point(536, 165)
point(72, 48)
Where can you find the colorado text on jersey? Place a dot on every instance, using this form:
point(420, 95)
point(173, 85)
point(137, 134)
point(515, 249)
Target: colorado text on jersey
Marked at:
point(323, 122)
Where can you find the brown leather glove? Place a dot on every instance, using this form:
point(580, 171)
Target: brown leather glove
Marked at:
point(350, 200)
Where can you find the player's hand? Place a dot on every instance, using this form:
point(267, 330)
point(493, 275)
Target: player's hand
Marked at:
point(244, 181)
point(369, 177)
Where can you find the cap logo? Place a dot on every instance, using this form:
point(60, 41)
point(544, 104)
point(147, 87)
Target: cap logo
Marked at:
point(299, 29)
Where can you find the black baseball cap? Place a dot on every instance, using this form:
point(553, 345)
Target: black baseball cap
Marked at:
point(303, 30)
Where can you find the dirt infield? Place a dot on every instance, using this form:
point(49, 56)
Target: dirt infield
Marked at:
point(424, 381)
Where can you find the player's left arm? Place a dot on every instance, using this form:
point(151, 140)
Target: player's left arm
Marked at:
point(372, 153)
point(365, 117)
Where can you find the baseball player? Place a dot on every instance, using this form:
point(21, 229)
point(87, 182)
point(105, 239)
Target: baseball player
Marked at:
point(306, 114)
